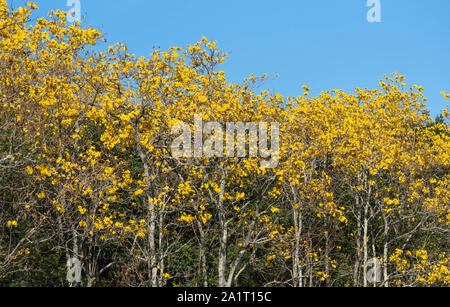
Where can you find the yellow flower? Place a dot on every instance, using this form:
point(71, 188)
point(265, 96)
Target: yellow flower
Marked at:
point(29, 170)
point(275, 210)
point(343, 219)
point(206, 217)
point(186, 218)
point(41, 195)
point(166, 275)
point(240, 196)
point(271, 257)
point(10, 224)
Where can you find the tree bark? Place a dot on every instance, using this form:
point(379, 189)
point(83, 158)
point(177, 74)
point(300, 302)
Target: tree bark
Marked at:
point(223, 234)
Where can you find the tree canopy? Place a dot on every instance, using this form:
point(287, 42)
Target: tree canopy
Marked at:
point(86, 171)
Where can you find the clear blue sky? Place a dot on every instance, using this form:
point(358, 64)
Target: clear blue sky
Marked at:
point(327, 44)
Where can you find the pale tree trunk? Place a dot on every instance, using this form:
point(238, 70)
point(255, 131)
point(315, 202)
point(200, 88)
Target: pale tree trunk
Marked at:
point(327, 258)
point(91, 259)
point(151, 216)
point(153, 267)
point(385, 252)
point(75, 252)
point(90, 282)
point(161, 281)
point(366, 229)
point(223, 255)
point(232, 276)
point(62, 239)
point(202, 255)
point(310, 266)
point(374, 253)
point(223, 237)
point(297, 268)
point(358, 245)
point(365, 250)
point(233, 268)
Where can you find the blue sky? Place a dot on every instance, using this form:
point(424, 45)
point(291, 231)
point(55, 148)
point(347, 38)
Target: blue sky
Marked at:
point(326, 44)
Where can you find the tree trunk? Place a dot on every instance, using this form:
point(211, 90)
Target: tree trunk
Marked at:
point(223, 235)
point(297, 268)
point(202, 255)
point(366, 226)
point(327, 258)
point(385, 252)
point(357, 267)
point(151, 216)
